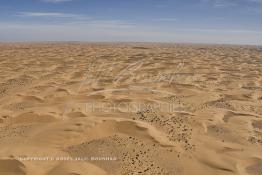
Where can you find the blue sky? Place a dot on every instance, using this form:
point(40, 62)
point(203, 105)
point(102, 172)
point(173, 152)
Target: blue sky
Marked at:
point(189, 21)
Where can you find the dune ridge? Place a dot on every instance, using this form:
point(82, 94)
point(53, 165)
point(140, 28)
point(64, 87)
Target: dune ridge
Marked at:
point(130, 108)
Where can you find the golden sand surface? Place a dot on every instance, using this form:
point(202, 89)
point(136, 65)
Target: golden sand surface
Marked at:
point(130, 108)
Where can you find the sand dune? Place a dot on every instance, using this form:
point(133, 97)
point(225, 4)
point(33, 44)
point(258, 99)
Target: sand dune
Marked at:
point(76, 169)
point(120, 109)
point(12, 167)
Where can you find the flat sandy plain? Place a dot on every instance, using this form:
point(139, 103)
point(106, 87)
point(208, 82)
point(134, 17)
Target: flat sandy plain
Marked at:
point(120, 109)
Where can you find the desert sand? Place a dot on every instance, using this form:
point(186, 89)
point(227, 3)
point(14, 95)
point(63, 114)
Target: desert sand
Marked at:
point(130, 108)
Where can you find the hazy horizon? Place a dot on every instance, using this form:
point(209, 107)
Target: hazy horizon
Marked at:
point(190, 21)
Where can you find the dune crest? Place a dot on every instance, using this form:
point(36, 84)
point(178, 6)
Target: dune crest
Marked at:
point(130, 108)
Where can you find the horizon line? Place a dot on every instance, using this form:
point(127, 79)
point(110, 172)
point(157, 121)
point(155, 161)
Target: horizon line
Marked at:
point(127, 42)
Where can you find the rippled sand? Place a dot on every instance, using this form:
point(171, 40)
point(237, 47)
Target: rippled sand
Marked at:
point(120, 109)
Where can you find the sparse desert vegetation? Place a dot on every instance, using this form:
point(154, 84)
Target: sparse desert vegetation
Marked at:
point(130, 108)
